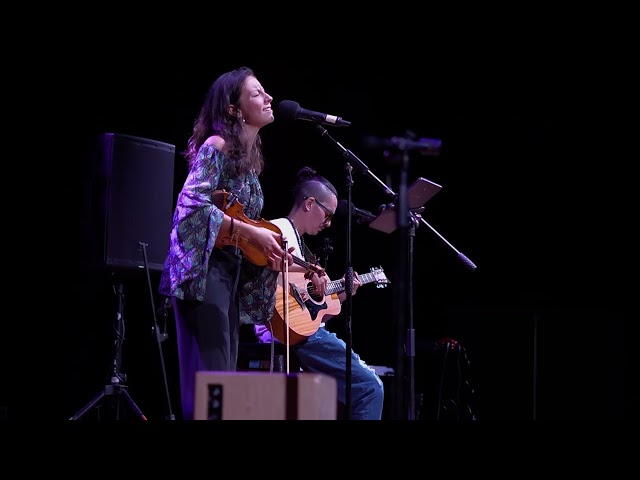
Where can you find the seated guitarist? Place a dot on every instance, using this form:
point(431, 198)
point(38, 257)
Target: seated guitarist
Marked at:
point(315, 201)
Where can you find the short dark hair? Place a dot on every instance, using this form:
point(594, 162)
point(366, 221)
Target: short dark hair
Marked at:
point(310, 184)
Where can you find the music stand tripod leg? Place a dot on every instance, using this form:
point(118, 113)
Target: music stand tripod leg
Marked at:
point(89, 406)
point(132, 404)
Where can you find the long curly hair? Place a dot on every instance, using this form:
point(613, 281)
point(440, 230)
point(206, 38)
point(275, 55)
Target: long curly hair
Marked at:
point(215, 119)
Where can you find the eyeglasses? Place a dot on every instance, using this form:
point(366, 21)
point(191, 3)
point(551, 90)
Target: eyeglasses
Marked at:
point(328, 213)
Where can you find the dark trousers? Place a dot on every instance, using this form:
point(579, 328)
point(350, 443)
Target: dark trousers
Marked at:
point(208, 331)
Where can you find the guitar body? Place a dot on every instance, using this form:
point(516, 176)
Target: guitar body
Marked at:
point(227, 202)
point(306, 311)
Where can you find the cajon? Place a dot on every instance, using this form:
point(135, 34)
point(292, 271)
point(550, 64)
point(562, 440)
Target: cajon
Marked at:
point(265, 396)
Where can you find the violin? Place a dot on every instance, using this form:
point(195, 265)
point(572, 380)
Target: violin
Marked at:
point(229, 204)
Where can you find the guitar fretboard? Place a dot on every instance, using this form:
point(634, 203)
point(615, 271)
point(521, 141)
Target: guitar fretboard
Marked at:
point(336, 286)
point(307, 265)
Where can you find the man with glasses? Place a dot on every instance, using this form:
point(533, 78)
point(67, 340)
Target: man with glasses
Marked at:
point(328, 213)
point(315, 201)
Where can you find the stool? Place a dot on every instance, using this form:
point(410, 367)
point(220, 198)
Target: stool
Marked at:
point(256, 356)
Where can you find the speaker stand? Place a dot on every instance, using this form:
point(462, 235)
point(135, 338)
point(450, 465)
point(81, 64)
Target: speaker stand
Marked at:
point(117, 388)
point(113, 390)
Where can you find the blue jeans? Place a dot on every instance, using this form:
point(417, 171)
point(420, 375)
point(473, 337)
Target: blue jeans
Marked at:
point(324, 352)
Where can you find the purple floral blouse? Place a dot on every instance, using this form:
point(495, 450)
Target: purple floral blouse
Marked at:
point(196, 223)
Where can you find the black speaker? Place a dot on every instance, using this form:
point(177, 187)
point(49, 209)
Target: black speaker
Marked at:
point(134, 186)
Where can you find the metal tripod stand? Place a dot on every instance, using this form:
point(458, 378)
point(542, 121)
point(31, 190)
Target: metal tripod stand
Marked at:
point(117, 389)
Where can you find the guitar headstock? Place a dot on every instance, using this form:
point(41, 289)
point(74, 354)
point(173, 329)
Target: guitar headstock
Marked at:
point(379, 277)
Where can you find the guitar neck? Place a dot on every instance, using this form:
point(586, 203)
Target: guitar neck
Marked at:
point(336, 286)
point(307, 265)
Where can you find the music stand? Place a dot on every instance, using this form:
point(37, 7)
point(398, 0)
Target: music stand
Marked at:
point(419, 193)
point(422, 191)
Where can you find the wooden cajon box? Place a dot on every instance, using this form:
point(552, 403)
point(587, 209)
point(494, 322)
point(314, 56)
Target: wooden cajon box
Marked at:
point(265, 396)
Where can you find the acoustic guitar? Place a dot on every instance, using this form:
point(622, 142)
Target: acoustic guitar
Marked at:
point(307, 309)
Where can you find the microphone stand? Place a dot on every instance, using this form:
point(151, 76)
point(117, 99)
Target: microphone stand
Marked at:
point(349, 155)
point(348, 285)
point(407, 221)
point(403, 299)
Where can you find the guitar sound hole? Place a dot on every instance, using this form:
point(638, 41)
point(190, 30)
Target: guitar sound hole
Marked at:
point(313, 294)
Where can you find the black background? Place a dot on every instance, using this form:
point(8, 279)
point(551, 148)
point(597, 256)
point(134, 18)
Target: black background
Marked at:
point(534, 193)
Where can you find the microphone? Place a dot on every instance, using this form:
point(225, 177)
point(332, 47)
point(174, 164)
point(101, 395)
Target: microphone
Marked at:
point(426, 146)
point(291, 110)
point(362, 216)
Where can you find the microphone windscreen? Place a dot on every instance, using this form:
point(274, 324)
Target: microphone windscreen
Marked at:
point(288, 109)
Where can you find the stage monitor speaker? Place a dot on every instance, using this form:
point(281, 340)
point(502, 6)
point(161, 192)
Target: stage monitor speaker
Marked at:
point(137, 199)
point(265, 396)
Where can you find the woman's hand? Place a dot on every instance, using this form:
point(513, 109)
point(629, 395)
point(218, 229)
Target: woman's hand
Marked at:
point(268, 242)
